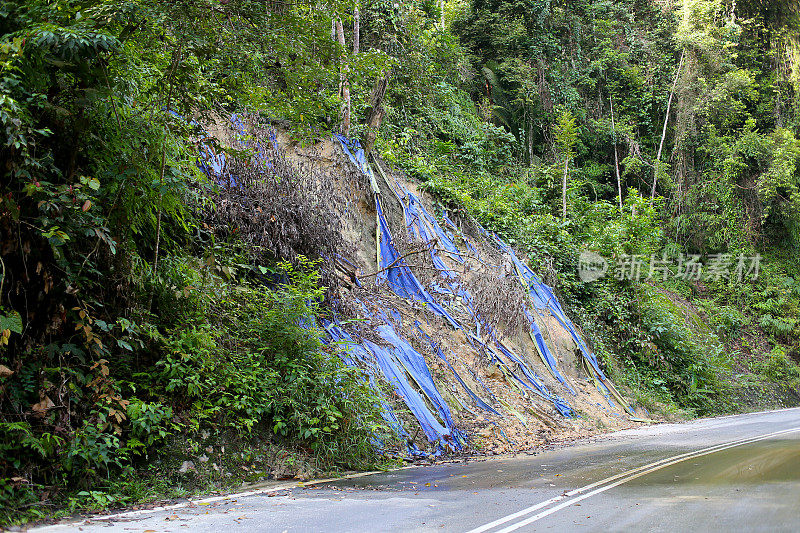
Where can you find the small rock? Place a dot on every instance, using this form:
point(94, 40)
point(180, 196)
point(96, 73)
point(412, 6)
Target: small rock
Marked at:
point(494, 372)
point(186, 466)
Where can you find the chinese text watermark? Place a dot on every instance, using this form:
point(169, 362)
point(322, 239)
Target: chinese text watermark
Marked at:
point(593, 266)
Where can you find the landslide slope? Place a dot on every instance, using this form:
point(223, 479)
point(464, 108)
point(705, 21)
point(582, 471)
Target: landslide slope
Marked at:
point(471, 350)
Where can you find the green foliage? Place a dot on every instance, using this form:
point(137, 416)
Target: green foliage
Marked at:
point(106, 358)
point(261, 365)
point(566, 134)
point(99, 106)
point(689, 362)
point(778, 367)
point(777, 307)
point(634, 231)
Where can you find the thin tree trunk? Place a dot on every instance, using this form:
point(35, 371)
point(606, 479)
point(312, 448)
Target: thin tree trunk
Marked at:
point(356, 30)
point(616, 156)
point(345, 84)
point(175, 60)
point(529, 137)
point(564, 190)
point(376, 112)
point(666, 121)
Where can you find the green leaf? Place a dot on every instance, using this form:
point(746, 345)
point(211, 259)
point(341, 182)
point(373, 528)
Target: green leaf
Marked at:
point(125, 345)
point(12, 321)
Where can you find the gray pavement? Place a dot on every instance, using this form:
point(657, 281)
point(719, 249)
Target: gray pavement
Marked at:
point(738, 473)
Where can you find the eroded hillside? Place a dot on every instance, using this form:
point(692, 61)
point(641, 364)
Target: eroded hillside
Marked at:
point(471, 349)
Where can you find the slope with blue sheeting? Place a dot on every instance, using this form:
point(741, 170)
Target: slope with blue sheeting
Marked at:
point(393, 358)
point(544, 299)
point(420, 223)
point(398, 276)
point(396, 273)
point(425, 227)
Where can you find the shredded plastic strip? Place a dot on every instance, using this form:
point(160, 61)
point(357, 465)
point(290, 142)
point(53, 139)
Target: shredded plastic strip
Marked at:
point(480, 402)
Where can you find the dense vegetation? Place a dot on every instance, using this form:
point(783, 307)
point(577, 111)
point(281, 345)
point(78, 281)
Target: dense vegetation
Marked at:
point(132, 322)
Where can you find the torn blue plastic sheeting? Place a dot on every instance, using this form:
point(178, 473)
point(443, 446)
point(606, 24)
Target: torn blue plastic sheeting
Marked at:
point(213, 164)
point(210, 162)
point(547, 355)
point(425, 227)
point(434, 430)
point(355, 153)
point(452, 224)
point(534, 384)
point(477, 399)
point(545, 352)
point(415, 365)
point(531, 382)
point(365, 361)
point(544, 298)
point(398, 275)
point(397, 364)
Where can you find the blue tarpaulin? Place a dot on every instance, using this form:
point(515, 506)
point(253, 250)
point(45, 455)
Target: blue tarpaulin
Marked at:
point(398, 275)
point(402, 365)
point(544, 299)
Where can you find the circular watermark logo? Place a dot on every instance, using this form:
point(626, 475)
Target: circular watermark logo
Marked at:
point(591, 266)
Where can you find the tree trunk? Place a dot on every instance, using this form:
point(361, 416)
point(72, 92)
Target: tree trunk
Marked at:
point(564, 190)
point(356, 30)
point(344, 83)
point(176, 59)
point(666, 121)
point(376, 112)
point(616, 156)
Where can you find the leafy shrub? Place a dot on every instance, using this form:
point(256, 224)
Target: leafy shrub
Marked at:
point(725, 319)
point(689, 361)
point(778, 305)
point(778, 367)
point(262, 364)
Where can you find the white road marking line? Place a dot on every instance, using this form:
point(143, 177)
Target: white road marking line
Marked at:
point(193, 503)
point(615, 481)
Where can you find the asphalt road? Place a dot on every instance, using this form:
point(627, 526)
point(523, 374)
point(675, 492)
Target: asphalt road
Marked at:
point(739, 473)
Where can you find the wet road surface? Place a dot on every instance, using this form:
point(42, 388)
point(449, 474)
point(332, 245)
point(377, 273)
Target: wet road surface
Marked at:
point(738, 473)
